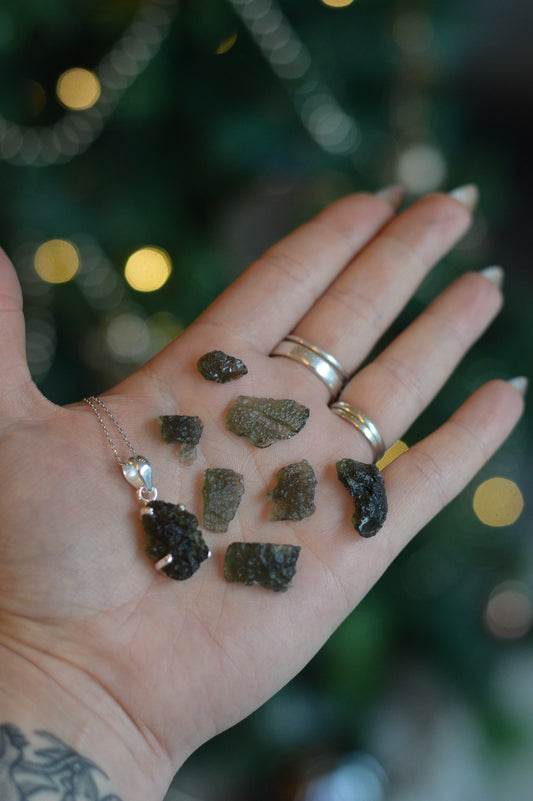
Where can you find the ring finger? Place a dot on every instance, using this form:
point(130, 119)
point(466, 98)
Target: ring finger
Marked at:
point(395, 388)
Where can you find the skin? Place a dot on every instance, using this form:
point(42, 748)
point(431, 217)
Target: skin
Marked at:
point(136, 671)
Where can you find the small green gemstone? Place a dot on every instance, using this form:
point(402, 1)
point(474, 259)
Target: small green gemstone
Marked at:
point(294, 493)
point(365, 484)
point(222, 491)
point(268, 564)
point(183, 430)
point(265, 420)
point(218, 366)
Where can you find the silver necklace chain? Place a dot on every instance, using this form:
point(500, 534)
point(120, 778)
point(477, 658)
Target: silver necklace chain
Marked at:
point(94, 402)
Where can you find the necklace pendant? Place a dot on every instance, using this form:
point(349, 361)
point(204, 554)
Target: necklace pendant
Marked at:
point(173, 540)
point(138, 472)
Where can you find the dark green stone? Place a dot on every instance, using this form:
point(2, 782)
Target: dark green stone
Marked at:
point(265, 420)
point(172, 529)
point(365, 484)
point(218, 366)
point(222, 491)
point(265, 563)
point(184, 430)
point(294, 494)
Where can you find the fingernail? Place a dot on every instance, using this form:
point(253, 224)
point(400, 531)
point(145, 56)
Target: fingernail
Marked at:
point(468, 195)
point(495, 274)
point(520, 383)
point(392, 194)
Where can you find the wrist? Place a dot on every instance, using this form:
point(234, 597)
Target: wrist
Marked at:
point(55, 705)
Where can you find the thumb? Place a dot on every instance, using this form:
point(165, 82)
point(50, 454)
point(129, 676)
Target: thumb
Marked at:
point(16, 384)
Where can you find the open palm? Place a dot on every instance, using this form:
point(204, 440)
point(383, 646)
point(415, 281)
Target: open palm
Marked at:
point(155, 667)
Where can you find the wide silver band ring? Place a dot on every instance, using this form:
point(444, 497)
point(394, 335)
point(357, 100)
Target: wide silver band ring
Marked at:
point(363, 424)
point(322, 364)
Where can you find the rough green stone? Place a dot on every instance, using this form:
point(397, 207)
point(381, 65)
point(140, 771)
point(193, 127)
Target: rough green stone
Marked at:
point(218, 366)
point(365, 484)
point(294, 493)
point(172, 529)
point(265, 563)
point(184, 430)
point(265, 420)
point(222, 491)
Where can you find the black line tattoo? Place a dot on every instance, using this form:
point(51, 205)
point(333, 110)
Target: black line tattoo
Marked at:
point(53, 772)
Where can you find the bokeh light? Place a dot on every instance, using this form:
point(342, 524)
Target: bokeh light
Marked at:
point(421, 168)
point(78, 89)
point(148, 269)
point(337, 3)
point(391, 454)
point(498, 502)
point(226, 44)
point(509, 611)
point(57, 261)
point(128, 338)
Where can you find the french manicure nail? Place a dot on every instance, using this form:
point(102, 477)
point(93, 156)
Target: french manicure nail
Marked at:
point(495, 274)
point(468, 195)
point(520, 383)
point(392, 194)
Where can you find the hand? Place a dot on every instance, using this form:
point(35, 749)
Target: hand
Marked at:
point(138, 670)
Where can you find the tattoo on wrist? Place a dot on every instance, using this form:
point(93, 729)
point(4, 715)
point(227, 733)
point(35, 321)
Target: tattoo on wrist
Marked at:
point(50, 772)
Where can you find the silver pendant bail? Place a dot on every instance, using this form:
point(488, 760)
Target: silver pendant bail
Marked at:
point(138, 472)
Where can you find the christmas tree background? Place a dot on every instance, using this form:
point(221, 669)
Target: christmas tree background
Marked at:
point(215, 127)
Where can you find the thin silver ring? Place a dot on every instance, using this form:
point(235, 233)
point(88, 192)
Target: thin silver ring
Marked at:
point(322, 364)
point(363, 424)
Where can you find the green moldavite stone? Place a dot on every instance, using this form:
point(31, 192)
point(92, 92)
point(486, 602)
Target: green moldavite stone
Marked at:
point(265, 420)
point(265, 563)
point(222, 491)
point(218, 366)
point(365, 484)
point(172, 529)
point(184, 430)
point(294, 494)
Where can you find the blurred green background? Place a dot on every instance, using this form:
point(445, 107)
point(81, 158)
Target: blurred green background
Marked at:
point(204, 130)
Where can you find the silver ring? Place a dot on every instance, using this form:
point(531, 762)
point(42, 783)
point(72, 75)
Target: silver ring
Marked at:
point(363, 424)
point(322, 364)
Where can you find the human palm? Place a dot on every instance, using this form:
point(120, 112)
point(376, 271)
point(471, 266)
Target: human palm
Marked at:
point(181, 661)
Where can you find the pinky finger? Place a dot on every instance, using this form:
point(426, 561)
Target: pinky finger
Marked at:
point(424, 479)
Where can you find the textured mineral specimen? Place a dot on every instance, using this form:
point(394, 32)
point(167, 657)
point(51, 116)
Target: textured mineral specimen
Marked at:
point(265, 563)
point(171, 529)
point(294, 494)
point(184, 430)
point(365, 484)
point(222, 491)
point(265, 420)
point(218, 366)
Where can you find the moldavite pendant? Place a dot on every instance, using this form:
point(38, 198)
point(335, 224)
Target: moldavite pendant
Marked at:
point(173, 539)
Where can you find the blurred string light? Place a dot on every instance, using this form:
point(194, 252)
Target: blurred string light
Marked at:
point(148, 269)
point(118, 69)
point(509, 611)
point(78, 88)
point(358, 777)
point(330, 126)
point(498, 502)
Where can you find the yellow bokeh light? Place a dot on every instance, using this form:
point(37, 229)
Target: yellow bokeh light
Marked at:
point(226, 45)
point(337, 3)
point(57, 261)
point(148, 269)
point(391, 454)
point(78, 89)
point(498, 502)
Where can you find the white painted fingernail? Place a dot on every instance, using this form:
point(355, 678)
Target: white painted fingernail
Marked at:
point(468, 195)
point(392, 194)
point(520, 383)
point(495, 274)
